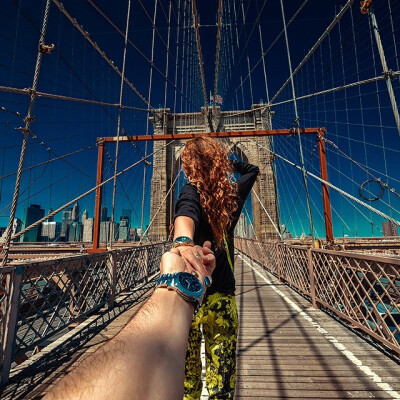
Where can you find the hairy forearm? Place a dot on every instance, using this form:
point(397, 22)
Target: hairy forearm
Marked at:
point(144, 361)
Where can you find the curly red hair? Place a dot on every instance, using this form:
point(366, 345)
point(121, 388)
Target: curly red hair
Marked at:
point(207, 167)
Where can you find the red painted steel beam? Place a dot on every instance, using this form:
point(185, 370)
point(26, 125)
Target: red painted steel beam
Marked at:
point(182, 136)
point(97, 207)
point(325, 189)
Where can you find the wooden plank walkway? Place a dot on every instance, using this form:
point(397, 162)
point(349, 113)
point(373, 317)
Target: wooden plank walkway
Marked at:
point(286, 349)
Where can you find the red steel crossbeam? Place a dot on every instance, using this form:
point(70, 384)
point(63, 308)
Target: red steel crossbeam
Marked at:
point(182, 136)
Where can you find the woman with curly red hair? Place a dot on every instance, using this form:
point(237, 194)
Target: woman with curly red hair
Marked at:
point(208, 209)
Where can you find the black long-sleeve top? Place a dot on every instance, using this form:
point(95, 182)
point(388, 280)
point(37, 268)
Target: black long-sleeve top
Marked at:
point(188, 205)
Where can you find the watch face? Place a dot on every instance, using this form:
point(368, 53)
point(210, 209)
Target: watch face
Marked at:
point(190, 282)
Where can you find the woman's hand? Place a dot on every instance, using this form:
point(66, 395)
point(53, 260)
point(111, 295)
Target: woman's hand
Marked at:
point(201, 259)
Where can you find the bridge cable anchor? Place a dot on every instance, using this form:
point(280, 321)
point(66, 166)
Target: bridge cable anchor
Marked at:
point(46, 49)
point(365, 6)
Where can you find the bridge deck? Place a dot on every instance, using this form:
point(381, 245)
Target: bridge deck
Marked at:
point(286, 349)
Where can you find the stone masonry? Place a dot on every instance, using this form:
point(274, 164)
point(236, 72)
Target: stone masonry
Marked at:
point(253, 150)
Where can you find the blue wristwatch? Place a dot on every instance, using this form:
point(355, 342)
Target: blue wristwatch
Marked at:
point(188, 286)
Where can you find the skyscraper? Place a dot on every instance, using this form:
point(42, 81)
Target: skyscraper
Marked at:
point(105, 231)
point(75, 213)
point(124, 230)
point(127, 214)
point(32, 214)
point(87, 229)
point(85, 216)
point(17, 226)
point(104, 214)
point(74, 232)
point(66, 222)
point(50, 231)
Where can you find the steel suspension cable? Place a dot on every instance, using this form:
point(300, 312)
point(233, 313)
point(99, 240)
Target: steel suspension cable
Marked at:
point(48, 161)
point(379, 111)
point(168, 53)
point(278, 37)
point(297, 124)
point(102, 54)
point(262, 56)
point(344, 193)
point(217, 51)
point(121, 91)
point(316, 45)
point(386, 71)
point(131, 43)
point(51, 214)
point(199, 54)
point(360, 166)
point(26, 130)
point(147, 120)
point(162, 202)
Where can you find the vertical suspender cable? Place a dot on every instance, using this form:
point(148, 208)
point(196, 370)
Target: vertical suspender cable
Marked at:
point(248, 60)
point(263, 62)
point(185, 28)
point(360, 97)
point(26, 130)
point(316, 45)
point(297, 123)
point(346, 100)
point(217, 51)
point(147, 122)
point(203, 79)
point(177, 61)
point(165, 97)
point(380, 119)
point(388, 75)
point(119, 125)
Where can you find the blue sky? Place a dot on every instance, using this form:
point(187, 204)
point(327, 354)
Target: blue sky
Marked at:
point(358, 120)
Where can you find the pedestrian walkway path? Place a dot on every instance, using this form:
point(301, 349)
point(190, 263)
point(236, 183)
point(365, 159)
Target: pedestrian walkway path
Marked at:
point(286, 349)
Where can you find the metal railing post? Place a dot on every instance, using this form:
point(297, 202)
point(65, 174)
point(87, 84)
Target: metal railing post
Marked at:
point(112, 265)
point(146, 264)
point(13, 287)
point(312, 278)
point(278, 261)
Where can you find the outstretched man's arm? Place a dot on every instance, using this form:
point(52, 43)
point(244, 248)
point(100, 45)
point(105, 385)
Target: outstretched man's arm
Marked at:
point(146, 359)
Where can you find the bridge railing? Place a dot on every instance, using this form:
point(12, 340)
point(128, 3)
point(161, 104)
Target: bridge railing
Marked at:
point(40, 299)
point(362, 290)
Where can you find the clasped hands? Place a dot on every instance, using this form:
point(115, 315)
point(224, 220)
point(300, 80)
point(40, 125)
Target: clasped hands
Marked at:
point(199, 260)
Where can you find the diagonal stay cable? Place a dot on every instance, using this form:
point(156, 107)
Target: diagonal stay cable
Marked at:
point(121, 91)
point(26, 131)
point(297, 123)
point(336, 19)
point(342, 192)
point(51, 214)
point(161, 204)
point(102, 54)
point(203, 79)
point(48, 161)
point(217, 51)
point(275, 41)
point(153, 64)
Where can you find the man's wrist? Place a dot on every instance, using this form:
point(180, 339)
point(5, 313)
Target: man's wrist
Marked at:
point(172, 298)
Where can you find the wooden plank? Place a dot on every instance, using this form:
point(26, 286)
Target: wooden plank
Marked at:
point(281, 355)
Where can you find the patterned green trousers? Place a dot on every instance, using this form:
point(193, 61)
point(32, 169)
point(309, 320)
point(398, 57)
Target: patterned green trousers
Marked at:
point(218, 316)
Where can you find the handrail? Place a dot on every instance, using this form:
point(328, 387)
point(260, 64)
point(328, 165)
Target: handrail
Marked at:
point(40, 299)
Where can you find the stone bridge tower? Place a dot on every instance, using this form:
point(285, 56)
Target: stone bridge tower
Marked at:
point(254, 150)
